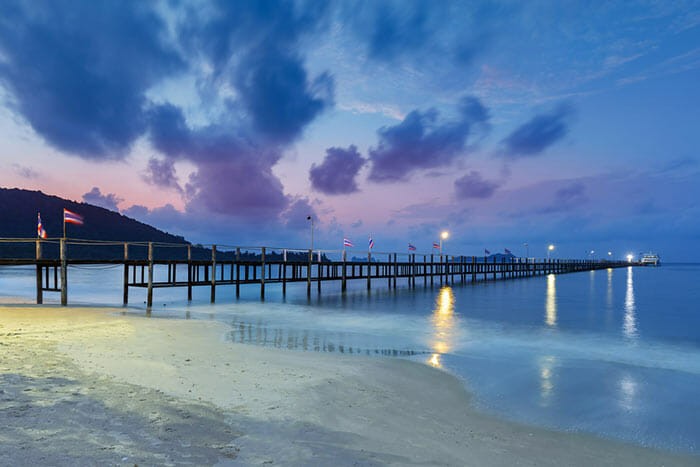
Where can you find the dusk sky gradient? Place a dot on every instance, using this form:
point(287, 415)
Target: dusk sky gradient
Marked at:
point(573, 123)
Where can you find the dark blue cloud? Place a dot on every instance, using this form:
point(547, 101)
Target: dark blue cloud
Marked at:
point(169, 132)
point(397, 30)
point(107, 201)
point(421, 142)
point(336, 174)
point(255, 46)
point(78, 73)
point(161, 172)
point(473, 185)
point(566, 199)
point(277, 94)
point(536, 135)
point(415, 30)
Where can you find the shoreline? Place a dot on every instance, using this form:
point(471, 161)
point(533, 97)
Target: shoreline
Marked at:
point(239, 404)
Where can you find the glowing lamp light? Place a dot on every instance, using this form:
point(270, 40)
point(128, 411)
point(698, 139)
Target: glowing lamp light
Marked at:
point(444, 234)
point(630, 257)
point(550, 247)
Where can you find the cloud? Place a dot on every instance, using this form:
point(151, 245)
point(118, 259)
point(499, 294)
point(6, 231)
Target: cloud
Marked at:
point(473, 185)
point(336, 174)
point(421, 142)
point(416, 30)
point(79, 75)
point(296, 214)
point(536, 135)
point(277, 94)
point(25, 172)
point(161, 172)
point(107, 201)
point(566, 199)
point(265, 98)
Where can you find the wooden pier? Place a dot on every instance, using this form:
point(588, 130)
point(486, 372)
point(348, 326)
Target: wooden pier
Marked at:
point(177, 265)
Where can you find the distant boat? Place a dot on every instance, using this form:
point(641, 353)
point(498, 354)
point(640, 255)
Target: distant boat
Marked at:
point(649, 259)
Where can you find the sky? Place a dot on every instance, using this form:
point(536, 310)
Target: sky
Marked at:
point(508, 124)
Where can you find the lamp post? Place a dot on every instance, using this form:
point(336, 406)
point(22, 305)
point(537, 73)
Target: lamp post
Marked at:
point(609, 255)
point(550, 248)
point(443, 236)
point(310, 218)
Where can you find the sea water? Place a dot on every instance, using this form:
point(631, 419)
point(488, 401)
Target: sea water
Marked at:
point(612, 352)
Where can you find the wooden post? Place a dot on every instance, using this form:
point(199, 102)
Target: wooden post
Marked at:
point(369, 270)
point(189, 273)
point(262, 274)
point(395, 270)
point(284, 273)
point(149, 298)
point(212, 297)
point(308, 274)
point(343, 284)
point(39, 280)
point(238, 272)
point(64, 273)
point(126, 274)
point(431, 269)
point(413, 270)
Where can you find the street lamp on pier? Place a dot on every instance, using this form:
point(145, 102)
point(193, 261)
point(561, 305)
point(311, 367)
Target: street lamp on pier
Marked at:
point(443, 236)
point(310, 218)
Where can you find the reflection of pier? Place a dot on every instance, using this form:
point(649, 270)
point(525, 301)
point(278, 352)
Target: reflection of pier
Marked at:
point(157, 265)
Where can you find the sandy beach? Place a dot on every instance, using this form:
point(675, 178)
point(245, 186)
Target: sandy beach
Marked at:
point(89, 386)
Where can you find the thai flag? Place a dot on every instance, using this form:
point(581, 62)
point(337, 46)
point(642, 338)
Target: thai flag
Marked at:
point(347, 242)
point(40, 232)
point(371, 243)
point(436, 245)
point(411, 247)
point(487, 252)
point(71, 217)
point(507, 251)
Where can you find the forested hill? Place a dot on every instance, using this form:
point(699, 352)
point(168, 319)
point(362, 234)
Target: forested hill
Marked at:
point(18, 219)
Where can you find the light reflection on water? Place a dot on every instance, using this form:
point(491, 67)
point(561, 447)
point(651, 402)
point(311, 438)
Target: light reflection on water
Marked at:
point(546, 364)
point(551, 301)
point(629, 327)
point(443, 322)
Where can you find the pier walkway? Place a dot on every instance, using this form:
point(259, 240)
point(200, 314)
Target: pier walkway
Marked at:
point(156, 265)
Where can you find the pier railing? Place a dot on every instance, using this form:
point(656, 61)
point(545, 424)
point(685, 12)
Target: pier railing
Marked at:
point(188, 266)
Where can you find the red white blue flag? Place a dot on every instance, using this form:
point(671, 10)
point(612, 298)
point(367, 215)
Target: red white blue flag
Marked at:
point(411, 247)
point(40, 232)
point(436, 245)
point(347, 242)
point(487, 252)
point(70, 217)
point(371, 242)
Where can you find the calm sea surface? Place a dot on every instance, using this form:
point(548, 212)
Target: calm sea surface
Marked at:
point(610, 352)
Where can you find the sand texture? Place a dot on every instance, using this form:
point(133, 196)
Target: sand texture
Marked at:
point(85, 386)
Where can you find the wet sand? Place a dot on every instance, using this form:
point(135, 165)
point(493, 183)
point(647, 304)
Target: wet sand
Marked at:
point(96, 386)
